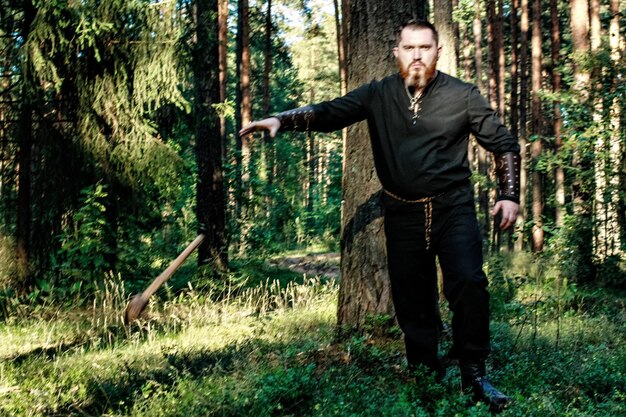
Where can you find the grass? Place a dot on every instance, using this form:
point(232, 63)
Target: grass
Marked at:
point(267, 347)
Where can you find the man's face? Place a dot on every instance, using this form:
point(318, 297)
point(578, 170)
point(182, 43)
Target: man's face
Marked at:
point(416, 56)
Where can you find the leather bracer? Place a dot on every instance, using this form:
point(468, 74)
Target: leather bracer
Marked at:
point(296, 119)
point(508, 173)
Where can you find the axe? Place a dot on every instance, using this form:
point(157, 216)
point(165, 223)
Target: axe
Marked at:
point(139, 301)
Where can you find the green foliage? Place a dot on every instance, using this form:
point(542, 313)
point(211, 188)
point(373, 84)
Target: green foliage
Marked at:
point(121, 60)
point(84, 245)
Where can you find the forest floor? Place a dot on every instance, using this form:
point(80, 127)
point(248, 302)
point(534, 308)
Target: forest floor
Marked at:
point(270, 348)
point(311, 264)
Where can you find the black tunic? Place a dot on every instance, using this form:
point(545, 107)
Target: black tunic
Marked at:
point(428, 157)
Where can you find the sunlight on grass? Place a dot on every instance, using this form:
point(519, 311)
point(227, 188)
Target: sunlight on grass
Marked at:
point(71, 360)
point(271, 349)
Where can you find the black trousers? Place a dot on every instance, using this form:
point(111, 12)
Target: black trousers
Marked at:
point(456, 241)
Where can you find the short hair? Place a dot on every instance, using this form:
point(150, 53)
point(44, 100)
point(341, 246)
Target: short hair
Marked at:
point(417, 24)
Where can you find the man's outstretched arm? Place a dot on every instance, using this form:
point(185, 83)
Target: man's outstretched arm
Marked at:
point(295, 119)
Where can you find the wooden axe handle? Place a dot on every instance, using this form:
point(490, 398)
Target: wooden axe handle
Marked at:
point(165, 275)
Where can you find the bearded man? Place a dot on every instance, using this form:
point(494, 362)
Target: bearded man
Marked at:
point(419, 121)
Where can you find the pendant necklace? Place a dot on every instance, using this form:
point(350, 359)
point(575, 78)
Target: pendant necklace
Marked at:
point(414, 105)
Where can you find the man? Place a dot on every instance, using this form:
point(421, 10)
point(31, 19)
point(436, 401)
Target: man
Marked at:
point(419, 121)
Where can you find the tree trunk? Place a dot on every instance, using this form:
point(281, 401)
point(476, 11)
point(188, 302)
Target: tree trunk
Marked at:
point(606, 227)
point(447, 39)
point(501, 60)
point(557, 123)
point(615, 144)
point(523, 106)
point(514, 106)
point(579, 15)
point(341, 47)
point(599, 208)
point(483, 163)
point(267, 160)
point(478, 47)
point(210, 204)
point(493, 67)
point(537, 145)
point(222, 16)
point(467, 71)
point(243, 116)
point(24, 156)
point(467, 55)
point(364, 288)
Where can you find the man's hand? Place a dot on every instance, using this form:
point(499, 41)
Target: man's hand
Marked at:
point(508, 209)
point(271, 124)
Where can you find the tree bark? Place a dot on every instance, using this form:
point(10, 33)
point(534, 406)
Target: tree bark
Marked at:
point(501, 60)
point(210, 204)
point(557, 124)
point(243, 116)
point(24, 156)
point(523, 132)
point(579, 20)
point(223, 64)
point(537, 144)
point(514, 97)
point(606, 227)
point(341, 46)
point(447, 39)
point(493, 67)
point(364, 288)
point(494, 41)
point(615, 145)
point(483, 163)
point(579, 15)
point(267, 157)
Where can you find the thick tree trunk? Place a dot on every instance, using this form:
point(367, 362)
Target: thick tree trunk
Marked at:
point(364, 288)
point(210, 205)
point(537, 144)
point(447, 39)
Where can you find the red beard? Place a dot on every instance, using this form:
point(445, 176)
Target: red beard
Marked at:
point(417, 79)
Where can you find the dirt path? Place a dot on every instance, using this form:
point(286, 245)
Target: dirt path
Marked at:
point(321, 264)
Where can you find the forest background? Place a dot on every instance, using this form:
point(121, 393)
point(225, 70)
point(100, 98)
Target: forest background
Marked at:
point(118, 147)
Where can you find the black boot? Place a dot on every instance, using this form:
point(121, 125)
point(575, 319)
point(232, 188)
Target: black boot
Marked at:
point(474, 382)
